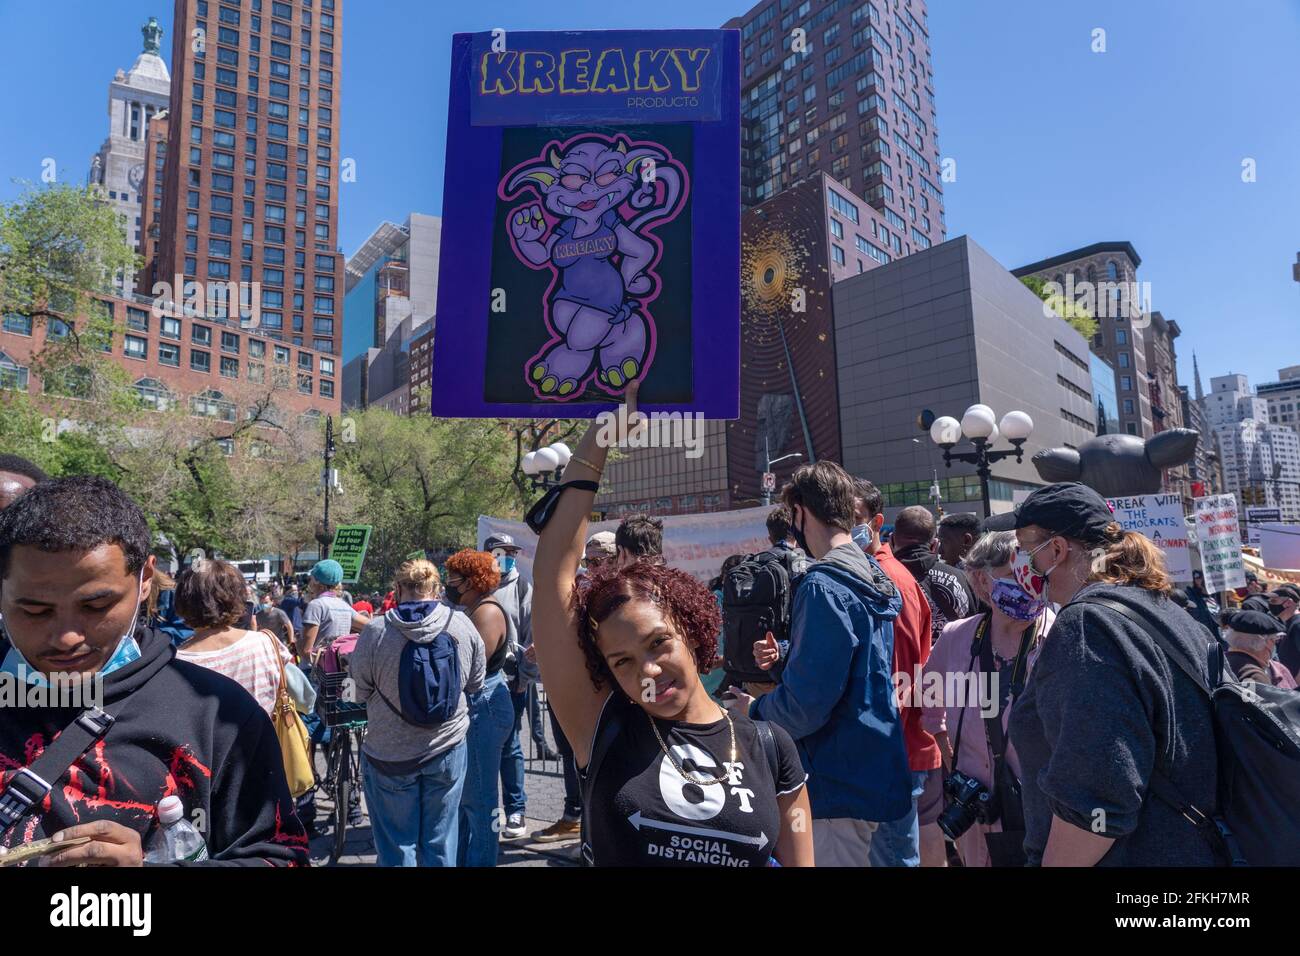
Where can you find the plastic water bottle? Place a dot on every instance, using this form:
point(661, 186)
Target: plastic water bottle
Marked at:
point(176, 840)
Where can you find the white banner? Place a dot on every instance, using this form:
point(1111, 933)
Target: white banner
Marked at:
point(1220, 538)
point(1159, 518)
point(696, 544)
point(1279, 546)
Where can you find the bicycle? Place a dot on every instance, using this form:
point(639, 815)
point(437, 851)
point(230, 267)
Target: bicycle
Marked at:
point(344, 720)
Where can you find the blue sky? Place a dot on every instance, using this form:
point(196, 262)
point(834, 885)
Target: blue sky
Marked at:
point(1056, 146)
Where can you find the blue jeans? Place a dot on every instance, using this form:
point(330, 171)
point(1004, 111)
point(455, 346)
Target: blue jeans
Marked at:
point(490, 718)
point(898, 842)
point(513, 797)
point(414, 816)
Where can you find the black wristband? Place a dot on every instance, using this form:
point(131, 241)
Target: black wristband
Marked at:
point(540, 513)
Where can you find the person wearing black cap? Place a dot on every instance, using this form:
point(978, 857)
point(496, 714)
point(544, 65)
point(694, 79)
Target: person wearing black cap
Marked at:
point(1283, 603)
point(1251, 638)
point(1103, 706)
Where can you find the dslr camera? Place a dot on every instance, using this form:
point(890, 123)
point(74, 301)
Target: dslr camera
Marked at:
point(971, 802)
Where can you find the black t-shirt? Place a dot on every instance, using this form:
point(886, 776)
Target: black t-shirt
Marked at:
point(642, 813)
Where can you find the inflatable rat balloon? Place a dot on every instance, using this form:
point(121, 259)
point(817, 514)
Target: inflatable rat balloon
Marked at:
point(1116, 465)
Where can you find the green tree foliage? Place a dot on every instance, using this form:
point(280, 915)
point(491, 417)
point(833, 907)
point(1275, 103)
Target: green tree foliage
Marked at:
point(1079, 318)
point(58, 247)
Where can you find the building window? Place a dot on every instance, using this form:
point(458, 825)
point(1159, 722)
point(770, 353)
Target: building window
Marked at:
point(326, 366)
point(304, 384)
point(1128, 406)
point(304, 361)
point(256, 348)
point(1126, 383)
point(837, 254)
point(170, 329)
point(230, 342)
point(837, 229)
point(326, 388)
point(1121, 337)
point(256, 372)
point(212, 404)
point(154, 394)
point(137, 319)
point(169, 354)
point(281, 355)
point(57, 330)
point(1131, 428)
point(201, 334)
point(136, 347)
point(18, 324)
point(200, 361)
point(1123, 360)
point(12, 375)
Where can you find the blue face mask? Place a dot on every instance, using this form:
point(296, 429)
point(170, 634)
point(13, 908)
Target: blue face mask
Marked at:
point(1014, 601)
point(862, 536)
point(127, 651)
point(506, 563)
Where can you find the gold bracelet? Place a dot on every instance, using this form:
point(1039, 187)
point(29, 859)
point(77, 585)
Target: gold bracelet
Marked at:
point(585, 463)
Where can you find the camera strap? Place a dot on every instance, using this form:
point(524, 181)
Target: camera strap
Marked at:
point(1005, 787)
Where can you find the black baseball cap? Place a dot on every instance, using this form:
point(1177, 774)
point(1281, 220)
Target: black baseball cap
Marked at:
point(1255, 622)
point(1066, 508)
point(1287, 591)
point(502, 541)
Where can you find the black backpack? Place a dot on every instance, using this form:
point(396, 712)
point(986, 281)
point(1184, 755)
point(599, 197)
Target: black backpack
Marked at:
point(1257, 732)
point(757, 596)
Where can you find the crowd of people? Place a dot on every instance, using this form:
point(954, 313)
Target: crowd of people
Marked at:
point(931, 693)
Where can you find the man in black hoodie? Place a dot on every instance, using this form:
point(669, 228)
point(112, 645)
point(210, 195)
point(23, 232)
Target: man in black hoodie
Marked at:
point(944, 586)
point(75, 569)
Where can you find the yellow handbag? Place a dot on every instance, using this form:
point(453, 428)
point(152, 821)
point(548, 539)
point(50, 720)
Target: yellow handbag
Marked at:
point(295, 746)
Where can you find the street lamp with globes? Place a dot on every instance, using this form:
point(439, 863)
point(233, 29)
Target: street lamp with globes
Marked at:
point(980, 425)
point(545, 466)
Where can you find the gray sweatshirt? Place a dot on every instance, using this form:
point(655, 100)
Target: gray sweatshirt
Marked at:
point(392, 744)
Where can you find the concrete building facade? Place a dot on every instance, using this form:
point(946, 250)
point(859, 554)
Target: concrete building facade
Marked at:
point(1260, 460)
point(1283, 397)
point(941, 330)
point(1103, 276)
point(846, 89)
point(252, 170)
point(118, 168)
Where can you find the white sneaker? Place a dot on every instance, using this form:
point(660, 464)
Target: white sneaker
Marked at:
point(514, 828)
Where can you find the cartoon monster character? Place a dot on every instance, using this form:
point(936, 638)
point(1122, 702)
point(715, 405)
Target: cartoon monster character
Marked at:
point(601, 255)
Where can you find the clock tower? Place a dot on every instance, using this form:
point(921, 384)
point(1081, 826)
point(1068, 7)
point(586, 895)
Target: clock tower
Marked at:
point(134, 97)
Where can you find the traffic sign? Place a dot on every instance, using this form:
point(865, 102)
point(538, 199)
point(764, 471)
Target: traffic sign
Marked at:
point(769, 481)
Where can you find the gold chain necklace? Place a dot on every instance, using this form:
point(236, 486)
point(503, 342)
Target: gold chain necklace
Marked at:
point(678, 767)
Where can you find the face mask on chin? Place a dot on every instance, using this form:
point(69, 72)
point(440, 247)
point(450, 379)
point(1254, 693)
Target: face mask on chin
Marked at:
point(126, 650)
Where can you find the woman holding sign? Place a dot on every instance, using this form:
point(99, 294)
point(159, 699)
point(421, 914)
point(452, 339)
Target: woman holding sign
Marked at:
point(669, 777)
point(1106, 716)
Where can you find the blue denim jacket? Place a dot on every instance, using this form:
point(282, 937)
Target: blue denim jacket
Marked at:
point(836, 697)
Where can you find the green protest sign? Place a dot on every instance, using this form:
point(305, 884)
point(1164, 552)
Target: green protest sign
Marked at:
point(349, 549)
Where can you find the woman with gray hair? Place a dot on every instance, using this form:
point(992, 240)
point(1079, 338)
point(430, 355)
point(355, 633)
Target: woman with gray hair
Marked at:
point(980, 664)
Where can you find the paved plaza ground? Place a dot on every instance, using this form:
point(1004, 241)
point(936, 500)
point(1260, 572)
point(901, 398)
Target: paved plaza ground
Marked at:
point(544, 786)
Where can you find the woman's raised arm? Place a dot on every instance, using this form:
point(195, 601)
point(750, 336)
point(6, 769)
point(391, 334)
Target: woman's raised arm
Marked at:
point(576, 703)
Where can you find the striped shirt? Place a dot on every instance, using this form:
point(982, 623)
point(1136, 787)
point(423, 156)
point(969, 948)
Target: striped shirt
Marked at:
point(250, 662)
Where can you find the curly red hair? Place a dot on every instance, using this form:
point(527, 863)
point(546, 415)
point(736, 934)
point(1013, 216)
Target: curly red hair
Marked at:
point(478, 568)
point(689, 605)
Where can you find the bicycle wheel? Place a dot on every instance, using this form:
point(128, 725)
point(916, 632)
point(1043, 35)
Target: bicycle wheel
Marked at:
point(342, 792)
